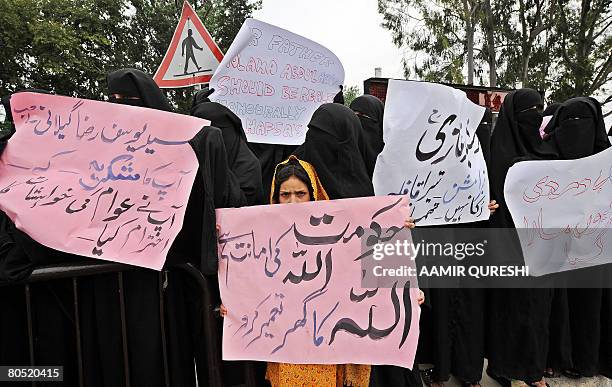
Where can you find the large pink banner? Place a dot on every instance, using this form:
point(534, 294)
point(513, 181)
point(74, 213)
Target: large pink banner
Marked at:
point(290, 276)
point(97, 179)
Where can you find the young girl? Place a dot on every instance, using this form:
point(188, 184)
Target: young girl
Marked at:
point(295, 181)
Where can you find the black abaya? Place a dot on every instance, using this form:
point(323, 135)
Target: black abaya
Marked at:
point(577, 130)
point(98, 295)
point(518, 331)
point(453, 328)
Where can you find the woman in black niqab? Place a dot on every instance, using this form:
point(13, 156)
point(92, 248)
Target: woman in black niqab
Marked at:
point(242, 162)
point(515, 138)
point(195, 244)
point(577, 130)
point(332, 147)
point(518, 317)
point(369, 110)
point(135, 88)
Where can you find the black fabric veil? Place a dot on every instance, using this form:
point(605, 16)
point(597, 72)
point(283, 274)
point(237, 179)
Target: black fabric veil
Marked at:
point(370, 111)
point(517, 347)
point(332, 148)
point(577, 129)
point(135, 83)
point(242, 162)
point(515, 138)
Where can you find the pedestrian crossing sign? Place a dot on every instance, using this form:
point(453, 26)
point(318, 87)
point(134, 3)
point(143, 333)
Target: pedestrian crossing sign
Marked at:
point(192, 56)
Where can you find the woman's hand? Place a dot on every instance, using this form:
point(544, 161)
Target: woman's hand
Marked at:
point(421, 298)
point(493, 206)
point(409, 223)
point(223, 310)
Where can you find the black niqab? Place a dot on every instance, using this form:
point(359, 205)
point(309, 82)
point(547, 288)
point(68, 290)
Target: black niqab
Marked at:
point(331, 146)
point(370, 112)
point(516, 137)
point(578, 129)
point(135, 83)
point(518, 319)
point(242, 162)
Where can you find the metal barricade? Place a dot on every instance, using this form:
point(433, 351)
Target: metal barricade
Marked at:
point(75, 271)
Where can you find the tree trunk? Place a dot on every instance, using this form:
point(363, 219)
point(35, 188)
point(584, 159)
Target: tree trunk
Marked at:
point(581, 49)
point(525, 70)
point(525, 48)
point(490, 42)
point(469, 31)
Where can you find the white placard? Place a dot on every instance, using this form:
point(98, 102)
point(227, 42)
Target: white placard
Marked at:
point(274, 80)
point(432, 153)
point(563, 212)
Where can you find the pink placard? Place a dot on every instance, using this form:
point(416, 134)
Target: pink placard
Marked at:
point(98, 179)
point(304, 303)
point(545, 122)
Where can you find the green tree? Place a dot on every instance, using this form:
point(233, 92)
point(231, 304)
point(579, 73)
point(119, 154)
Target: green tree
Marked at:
point(561, 47)
point(69, 46)
point(442, 32)
point(226, 17)
point(60, 46)
point(350, 93)
point(584, 46)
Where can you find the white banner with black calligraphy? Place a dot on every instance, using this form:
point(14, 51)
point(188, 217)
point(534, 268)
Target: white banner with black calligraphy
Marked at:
point(432, 153)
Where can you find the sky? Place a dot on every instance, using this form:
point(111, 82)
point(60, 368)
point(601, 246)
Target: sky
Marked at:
point(351, 29)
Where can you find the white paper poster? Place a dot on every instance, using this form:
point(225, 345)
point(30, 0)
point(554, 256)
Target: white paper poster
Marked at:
point(274, 80)
point(432, 153)
point(563, 212)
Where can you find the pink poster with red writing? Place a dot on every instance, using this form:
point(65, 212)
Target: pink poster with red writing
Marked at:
point(293, 284)
point(98, 179)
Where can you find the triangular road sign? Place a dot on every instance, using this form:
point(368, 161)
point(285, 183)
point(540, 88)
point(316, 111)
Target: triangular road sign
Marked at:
point(192, 56)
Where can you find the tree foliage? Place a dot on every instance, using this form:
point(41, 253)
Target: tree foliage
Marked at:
point(562, 47)
point(350, 93)
point(69, 46)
